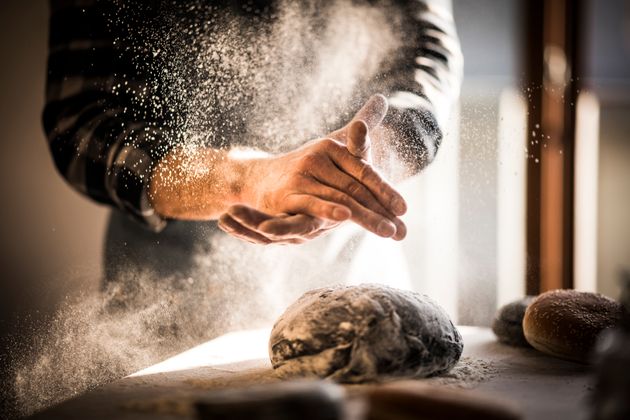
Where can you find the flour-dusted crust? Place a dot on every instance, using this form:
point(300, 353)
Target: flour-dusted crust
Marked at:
point(364, 333)
point(566, 323)
point(507, 324)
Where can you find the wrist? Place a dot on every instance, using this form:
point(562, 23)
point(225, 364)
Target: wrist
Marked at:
point(249, 167)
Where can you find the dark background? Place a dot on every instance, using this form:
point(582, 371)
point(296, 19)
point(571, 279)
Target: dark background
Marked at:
point(50, 237)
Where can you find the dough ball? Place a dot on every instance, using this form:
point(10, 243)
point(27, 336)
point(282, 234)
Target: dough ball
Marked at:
point(362, 333)
point(566, 323)
point(507, 324)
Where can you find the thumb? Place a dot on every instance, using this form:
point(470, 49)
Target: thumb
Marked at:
point(373, 112)
point(358, 142)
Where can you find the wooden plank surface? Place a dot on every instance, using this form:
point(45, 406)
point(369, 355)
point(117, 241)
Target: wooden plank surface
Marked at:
point(542, 386)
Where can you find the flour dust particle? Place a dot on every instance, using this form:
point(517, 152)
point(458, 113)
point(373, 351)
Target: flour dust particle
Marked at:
point(219, 76)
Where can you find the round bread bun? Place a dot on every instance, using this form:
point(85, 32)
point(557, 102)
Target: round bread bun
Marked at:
point(566, 323)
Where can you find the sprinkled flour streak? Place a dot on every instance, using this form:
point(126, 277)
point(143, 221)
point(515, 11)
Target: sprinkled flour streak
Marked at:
point(140, 321)
point(214, 78)
point(266, 80)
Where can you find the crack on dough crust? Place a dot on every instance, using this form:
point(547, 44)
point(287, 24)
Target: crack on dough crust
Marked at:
point(364, 333)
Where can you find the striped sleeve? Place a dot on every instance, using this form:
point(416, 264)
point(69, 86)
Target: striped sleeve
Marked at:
point(102, 141)
point(424, 80)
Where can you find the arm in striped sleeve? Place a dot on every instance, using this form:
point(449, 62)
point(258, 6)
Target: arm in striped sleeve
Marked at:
point(103, 142)
point(423, 82)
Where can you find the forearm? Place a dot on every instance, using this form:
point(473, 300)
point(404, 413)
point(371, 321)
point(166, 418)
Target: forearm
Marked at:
point(407, 141)
point(200, 185)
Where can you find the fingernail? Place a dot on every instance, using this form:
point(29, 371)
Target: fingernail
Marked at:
point(340, 213)
point(360, 128)
point(399, 206)
point(401, 232)
point(386, 228)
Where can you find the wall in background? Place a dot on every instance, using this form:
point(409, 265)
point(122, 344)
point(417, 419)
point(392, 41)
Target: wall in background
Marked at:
point(608, 75)
point(613, 230)
point(489, 32)
point(50, 237)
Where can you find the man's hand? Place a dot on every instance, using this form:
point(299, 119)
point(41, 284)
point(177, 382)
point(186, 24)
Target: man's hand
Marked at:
point(256, 227)
point(313, 189)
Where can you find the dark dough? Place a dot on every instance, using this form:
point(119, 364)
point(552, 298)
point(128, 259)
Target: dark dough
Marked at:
point(363, 333)
point(508, 322)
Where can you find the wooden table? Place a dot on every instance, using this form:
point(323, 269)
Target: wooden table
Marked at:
point(542, 386)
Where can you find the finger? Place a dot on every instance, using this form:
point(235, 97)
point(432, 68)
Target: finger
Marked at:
point(316, 207)
point(277, 229)
point(358, 141)
point(232, 227)
point(321, 232)
point(374, 222)
point(329, 175)
point(298, 225)
point(320, 209)
point(401, 230)
point(373, 112)
point(366, 175)
point(292, 241)
point(378, 221)
point(248, 216)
